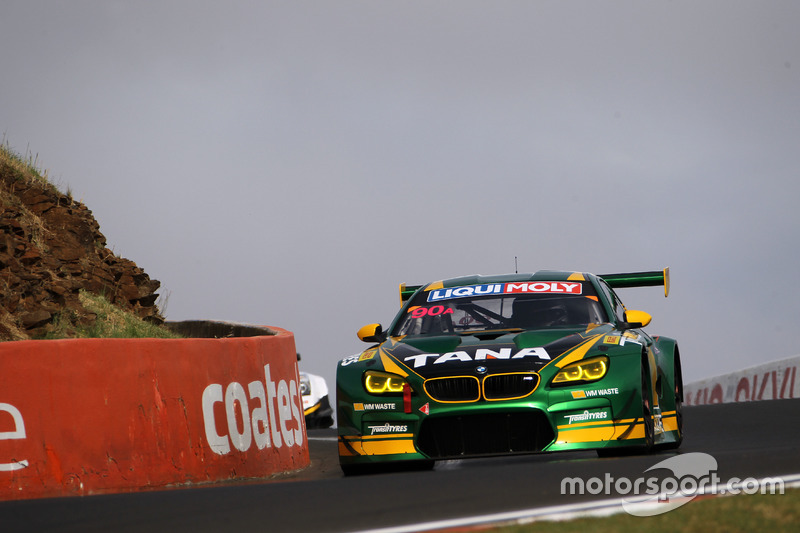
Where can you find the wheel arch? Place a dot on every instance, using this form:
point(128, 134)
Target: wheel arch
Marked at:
point(670, 370)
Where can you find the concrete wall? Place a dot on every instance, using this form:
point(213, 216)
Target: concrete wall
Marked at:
point(770, 381)
point(88, 416)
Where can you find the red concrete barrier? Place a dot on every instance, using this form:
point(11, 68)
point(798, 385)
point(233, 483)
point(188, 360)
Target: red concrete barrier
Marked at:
point(88, 416)
point(776, 380)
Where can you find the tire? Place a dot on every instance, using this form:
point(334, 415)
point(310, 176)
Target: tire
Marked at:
point(678, 391)
point(647, 413)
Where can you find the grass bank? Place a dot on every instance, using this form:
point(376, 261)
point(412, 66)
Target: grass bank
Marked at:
point(776, 513)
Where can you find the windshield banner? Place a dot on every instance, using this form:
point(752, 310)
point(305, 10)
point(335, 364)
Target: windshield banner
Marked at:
point(521, 287)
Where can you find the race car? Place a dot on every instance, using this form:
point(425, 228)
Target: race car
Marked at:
point(316, 406)
point(510, 364)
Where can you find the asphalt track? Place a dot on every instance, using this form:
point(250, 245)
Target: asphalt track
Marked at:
point(758, 439)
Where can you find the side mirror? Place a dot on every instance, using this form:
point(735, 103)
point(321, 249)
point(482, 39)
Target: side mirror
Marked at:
point(637, 319)
point(372, 333)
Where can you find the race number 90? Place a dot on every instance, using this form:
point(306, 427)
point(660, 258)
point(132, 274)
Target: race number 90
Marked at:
point(434, 310)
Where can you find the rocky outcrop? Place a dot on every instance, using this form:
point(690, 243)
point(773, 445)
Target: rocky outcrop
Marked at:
point(51, 248)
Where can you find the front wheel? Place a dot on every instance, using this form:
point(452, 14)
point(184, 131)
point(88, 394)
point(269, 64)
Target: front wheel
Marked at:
point(647, 413)
point(678, 410)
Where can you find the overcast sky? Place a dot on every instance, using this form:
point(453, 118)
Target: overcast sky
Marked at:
point(290, 163)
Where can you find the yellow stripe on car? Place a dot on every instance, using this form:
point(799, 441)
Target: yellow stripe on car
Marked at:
point(583, 433)
point(579, 351)
point(368, 445)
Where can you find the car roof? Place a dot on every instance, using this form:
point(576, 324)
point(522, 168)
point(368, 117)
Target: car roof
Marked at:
point(541, 275)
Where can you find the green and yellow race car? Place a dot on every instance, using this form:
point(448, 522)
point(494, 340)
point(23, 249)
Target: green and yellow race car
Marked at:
point(511, 364)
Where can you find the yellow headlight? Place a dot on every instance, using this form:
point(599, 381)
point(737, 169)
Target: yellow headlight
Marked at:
point(383, 382)
point(588, 370)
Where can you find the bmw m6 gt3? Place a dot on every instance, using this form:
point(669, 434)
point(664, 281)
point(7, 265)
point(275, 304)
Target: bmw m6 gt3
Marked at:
point(510, 364)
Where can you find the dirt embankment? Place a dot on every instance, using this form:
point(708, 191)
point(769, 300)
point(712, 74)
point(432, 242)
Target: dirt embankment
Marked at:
point(51, 248)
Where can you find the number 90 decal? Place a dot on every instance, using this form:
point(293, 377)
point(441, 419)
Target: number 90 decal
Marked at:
point(434, 310)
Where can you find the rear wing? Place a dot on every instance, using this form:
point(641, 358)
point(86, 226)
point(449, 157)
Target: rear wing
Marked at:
point(639, 279)
point(407, 291)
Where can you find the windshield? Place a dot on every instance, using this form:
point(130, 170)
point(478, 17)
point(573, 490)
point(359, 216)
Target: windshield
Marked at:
point(515, 306)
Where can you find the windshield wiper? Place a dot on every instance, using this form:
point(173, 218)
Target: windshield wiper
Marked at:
point(479, 332)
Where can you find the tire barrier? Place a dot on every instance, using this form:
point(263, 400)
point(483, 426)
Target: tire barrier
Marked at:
point(91, 416)
point(771, 381)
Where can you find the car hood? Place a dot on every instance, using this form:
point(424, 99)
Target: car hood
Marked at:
point(464, 355)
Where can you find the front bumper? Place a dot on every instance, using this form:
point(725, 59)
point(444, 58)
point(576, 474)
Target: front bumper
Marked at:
point(436, 431)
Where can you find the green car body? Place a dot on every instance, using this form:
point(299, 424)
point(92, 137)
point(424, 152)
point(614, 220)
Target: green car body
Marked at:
point(520, 363)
